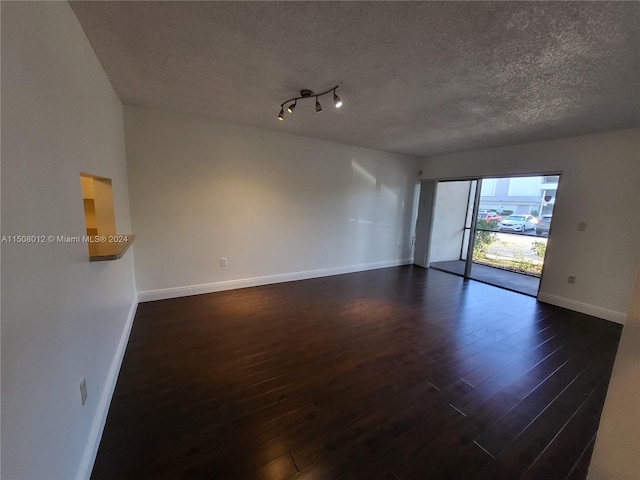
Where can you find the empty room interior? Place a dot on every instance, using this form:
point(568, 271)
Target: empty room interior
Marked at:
point(219, 221)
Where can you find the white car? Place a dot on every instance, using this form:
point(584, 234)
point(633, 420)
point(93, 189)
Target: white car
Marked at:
point(518, 223)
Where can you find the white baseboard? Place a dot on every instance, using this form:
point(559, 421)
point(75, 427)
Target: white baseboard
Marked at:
point(95, 435)
point(166, 293)
point(611, 315)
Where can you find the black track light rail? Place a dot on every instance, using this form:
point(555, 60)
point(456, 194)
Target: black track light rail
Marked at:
point(309, 94)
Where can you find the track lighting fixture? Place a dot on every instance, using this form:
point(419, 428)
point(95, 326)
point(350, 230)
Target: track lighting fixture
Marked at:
point(337, 101)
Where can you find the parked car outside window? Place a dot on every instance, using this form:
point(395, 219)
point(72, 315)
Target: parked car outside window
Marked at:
point(518, 223)
point(489, 215)
point(544, 222)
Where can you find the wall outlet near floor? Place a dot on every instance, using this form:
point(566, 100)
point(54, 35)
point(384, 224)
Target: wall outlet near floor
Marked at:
point(223, 262)
point(83, 390)
point(571, 279)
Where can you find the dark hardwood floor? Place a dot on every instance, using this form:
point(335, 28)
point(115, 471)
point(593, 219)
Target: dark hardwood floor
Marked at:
point(399, 373)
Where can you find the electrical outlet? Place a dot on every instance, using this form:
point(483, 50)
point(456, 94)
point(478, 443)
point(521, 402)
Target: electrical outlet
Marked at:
point(571, 279)
point(223, 262)
point(83, 390)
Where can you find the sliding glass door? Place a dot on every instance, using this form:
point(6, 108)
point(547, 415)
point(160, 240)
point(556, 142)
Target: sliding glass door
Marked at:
point(493, 229)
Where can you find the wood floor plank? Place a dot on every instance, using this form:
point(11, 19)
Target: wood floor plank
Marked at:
point(561, 455)
point(508, 427)
point(385, 375)
point(531, 441)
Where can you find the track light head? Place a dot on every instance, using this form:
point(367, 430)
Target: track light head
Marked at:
point(318, 106)
point(281, 114)
point(336, 99)
point(292, 107)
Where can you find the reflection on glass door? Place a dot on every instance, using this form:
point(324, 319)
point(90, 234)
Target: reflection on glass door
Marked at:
point(451, 225)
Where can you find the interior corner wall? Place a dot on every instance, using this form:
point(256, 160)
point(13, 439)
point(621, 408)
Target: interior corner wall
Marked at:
point(600, 185)
point(615, 455)
point(63, 318)
point(277, 206)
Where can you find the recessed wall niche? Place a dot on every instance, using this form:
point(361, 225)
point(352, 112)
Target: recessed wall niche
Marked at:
point(100, 220)
point(97, 197)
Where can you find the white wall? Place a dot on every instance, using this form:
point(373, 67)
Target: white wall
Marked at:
point(615, 456)
point(600, 185)
point(277, 206)
point(63, 318)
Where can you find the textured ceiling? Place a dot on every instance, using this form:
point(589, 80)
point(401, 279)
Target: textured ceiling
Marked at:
point(417, 78)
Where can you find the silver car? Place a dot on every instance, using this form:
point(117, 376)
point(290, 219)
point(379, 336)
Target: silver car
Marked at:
point(518, 223)
point(542, 227)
